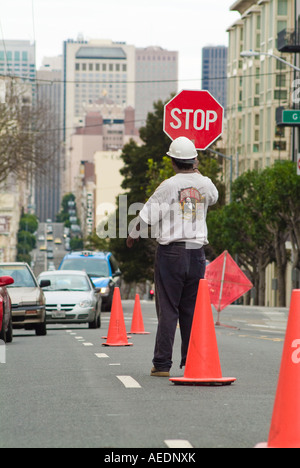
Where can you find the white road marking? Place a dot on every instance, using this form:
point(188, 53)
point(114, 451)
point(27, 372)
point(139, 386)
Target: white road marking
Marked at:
point(87, 344)
point(177, 443)
point(115, 364)
point(128, 381)
point(101, 355)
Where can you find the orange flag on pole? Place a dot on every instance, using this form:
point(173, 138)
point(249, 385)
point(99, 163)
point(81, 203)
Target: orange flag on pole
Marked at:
point(226, 282)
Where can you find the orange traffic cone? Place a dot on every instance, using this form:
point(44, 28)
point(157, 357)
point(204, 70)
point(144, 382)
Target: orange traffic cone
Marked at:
point(285, 425)
point(203, 364)
point(117, 335)
point(137, 324)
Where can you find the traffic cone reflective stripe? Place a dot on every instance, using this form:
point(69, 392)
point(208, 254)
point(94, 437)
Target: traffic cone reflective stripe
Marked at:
point(137, 324)
point(203, 364)
point(117, 335)
point(285, 423)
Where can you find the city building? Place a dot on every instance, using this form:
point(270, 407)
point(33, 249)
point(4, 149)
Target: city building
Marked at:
point(49, 94)
point(17, 58)
point(156, 79)
point(108, 183)
point(214, 72)
point(85, 198)
point(107, 127)
point(258, 85)
point(126, 78)
point(91, 70)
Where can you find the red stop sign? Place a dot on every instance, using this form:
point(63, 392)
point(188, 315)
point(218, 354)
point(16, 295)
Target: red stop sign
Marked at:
point(196, 115)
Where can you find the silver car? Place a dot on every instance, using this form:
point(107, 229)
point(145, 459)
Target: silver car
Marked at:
point(71, 298)
point(27, 298)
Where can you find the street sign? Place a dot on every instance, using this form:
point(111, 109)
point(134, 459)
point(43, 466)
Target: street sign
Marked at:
point(196, 115)
point(287, 117)
point(291, 117)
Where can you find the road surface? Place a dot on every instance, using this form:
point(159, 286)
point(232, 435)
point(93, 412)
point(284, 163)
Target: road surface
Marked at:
point(67, 390)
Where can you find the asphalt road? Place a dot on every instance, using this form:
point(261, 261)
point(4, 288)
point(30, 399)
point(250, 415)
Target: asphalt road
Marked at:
point(40, 260)
point(67, 390)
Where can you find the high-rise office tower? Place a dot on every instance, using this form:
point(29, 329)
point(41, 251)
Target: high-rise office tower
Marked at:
point(156, 79)
point(93, 70)
point(214, 72)
point(17, 58)
point(48, 185)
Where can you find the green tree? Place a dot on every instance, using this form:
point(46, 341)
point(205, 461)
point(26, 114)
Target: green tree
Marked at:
point(264, 214)
point(29, 222)
point(63, 215)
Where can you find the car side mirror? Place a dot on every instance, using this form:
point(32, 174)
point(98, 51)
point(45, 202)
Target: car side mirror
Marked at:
point(45, 283)
point(6, 280)
point(117, 273)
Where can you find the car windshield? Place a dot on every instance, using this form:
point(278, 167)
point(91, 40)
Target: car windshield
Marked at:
point(66, 283)
point(94, 267)
point(21, 275)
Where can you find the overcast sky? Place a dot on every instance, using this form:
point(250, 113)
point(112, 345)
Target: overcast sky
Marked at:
point(182, 25)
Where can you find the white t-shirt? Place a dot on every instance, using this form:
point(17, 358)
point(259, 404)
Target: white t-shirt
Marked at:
point(177, 210)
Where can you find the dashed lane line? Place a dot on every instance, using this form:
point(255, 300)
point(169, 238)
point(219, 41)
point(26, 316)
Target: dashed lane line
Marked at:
point(128, 381)
point(177, 443)
point(101, 355)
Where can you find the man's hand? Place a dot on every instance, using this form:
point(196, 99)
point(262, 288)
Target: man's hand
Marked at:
point(195, 166)
point(130, 242)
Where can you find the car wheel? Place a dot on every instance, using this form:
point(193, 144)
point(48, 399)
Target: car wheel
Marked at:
point(9, 333)
point(41, 329)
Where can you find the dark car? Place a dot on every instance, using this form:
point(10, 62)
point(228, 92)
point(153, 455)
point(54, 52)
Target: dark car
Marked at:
point(102, 269)
point(6, 329)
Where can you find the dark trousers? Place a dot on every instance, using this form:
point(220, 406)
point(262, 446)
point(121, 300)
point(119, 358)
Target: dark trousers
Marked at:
point(178, 271)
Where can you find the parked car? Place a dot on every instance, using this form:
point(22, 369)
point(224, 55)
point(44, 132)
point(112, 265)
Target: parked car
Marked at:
point(27, 298)
point(71, 298)
point(6, 328)
point(101, 267)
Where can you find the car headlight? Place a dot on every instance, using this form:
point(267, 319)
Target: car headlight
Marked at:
point(86, 303)
point(104, 290)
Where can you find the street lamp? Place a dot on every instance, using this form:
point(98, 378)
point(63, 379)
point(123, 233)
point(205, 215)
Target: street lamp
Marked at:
point(252, 53)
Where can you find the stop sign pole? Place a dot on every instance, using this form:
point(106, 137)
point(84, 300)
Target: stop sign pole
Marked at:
point(196, 115)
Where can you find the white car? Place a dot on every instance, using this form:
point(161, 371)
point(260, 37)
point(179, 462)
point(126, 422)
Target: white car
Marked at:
point(71, 298)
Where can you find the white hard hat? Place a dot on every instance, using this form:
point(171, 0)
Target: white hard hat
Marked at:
point(182, 148)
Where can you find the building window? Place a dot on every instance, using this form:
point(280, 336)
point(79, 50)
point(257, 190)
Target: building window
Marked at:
point(279, 145)
point(77, 66)
point(282, 7)
point(280, 81)
point(281, 95)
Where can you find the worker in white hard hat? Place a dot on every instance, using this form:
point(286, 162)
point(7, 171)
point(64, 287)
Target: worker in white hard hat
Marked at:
point(176, 214)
